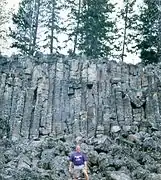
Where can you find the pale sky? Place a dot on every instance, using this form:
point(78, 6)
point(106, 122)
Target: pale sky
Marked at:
point(131, 58)
point(13, 3)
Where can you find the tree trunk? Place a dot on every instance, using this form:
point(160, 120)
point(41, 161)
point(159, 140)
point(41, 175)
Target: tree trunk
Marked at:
point(52, 27)
point(37, 9)
point(78, 22)
point(31, 20)
point(125, 30)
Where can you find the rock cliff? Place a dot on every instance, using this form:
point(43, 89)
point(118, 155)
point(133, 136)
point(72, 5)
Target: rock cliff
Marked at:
point(61, 96)
point(113, 107)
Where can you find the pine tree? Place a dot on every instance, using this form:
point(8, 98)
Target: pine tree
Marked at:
point(128, 33)
point(150, 30)
point(51, 22)
point(78, 14)
point(128, 16)
point(73, 7)
point(36, 15)
point(96, 28)
point(90, 27)
point(26, 22)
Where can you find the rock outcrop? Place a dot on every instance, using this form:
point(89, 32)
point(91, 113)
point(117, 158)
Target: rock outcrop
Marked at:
point(62, 96)
point(47, 105)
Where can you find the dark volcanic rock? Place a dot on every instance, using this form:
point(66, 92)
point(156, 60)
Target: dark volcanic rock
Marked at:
point(49, 104)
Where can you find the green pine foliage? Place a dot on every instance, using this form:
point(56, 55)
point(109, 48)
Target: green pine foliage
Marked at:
point(130, 23)
point(72, 24)
point(90, 26)
point(148, 45)
point(24, 34)
point(51, 21)
point(96, 28)
point(127, 30)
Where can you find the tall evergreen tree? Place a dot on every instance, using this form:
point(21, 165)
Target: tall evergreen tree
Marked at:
point(150, 30)
point(78, 14)
point(26, 22)
point(72, 23)
point(130, 22)
point(51, 22)
point(90, 27)
point(128, 31)
point(36, 14)
point(96, 28)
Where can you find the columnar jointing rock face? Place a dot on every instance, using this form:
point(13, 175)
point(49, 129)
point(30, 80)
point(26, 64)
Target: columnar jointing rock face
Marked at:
point(76, 96)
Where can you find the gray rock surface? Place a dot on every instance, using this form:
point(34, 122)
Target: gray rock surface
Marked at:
point(47, 105)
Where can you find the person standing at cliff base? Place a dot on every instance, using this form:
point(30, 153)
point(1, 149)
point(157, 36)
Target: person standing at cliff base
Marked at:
point(79, 160)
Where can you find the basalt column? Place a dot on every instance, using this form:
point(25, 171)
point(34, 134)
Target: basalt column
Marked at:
point(58, 96)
